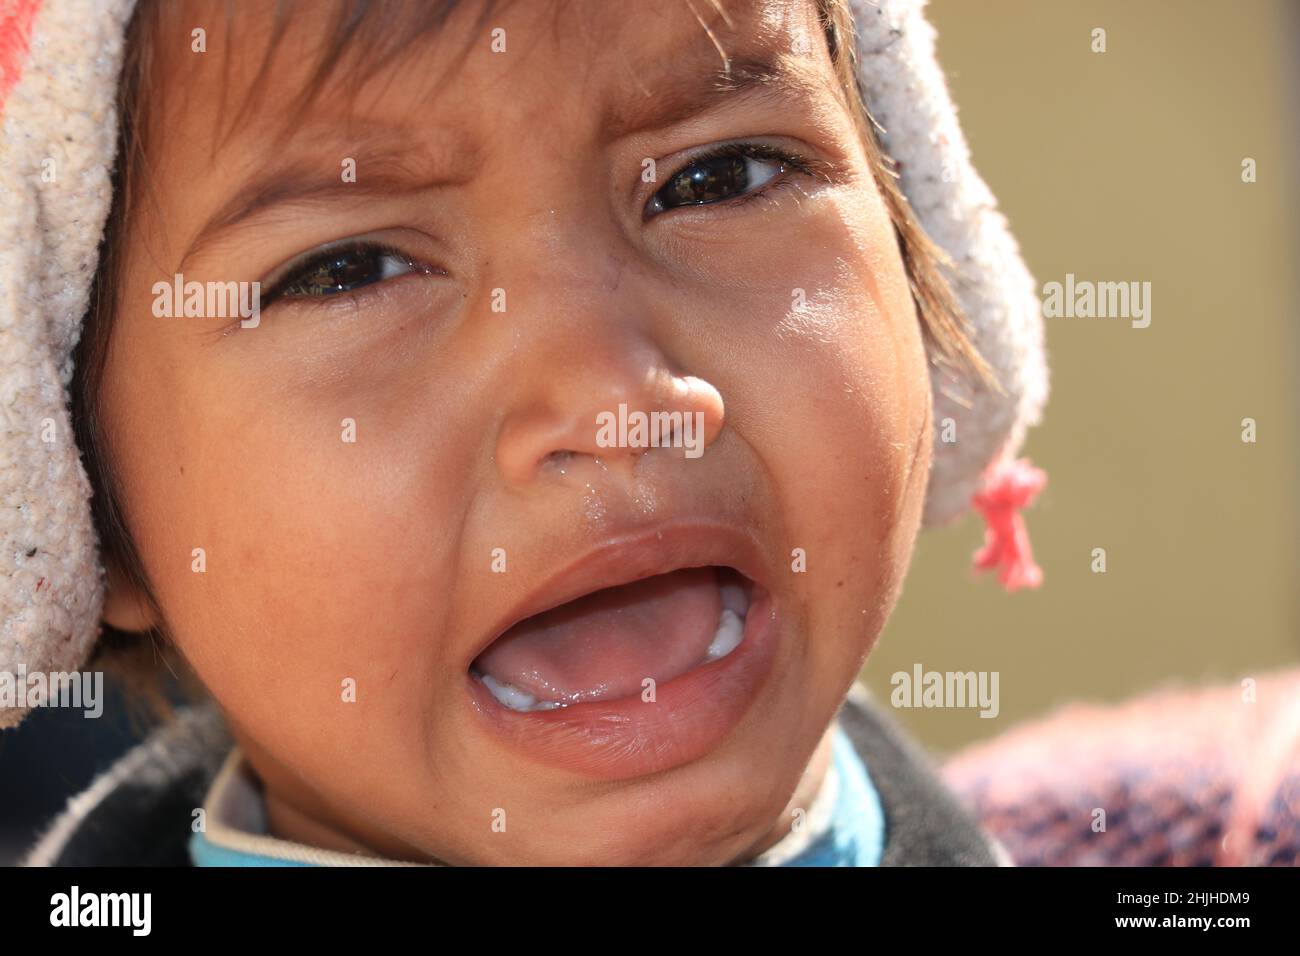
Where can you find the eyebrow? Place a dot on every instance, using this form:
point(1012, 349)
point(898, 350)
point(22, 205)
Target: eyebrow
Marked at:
point(389, 166)
point(683, 94)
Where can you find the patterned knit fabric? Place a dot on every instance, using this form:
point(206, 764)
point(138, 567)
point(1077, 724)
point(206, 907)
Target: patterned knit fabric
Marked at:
point(1205, 778)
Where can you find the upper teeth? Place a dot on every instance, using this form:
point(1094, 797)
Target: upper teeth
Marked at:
point(727, 637)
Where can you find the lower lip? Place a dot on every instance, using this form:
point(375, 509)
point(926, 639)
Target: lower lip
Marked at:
point(617, 739)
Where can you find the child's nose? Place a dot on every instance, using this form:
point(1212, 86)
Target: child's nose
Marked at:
point(593, 387)
point(604, 412)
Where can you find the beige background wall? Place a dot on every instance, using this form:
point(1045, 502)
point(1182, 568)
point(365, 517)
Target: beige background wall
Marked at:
point(1119, 166)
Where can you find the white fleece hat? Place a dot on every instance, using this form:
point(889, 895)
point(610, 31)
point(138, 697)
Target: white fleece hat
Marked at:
point(59, 67)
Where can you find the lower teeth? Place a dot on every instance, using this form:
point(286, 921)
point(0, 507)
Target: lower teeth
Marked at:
point(510, 695)
point(730, 632)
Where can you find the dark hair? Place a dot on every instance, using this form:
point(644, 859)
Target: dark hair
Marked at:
point(365, 36)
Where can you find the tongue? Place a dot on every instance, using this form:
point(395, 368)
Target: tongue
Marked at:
point(605, 644)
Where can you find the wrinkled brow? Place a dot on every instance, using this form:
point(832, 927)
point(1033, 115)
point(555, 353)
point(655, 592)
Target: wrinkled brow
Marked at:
point(393, 164)
point(681, 94)
point(706, 82)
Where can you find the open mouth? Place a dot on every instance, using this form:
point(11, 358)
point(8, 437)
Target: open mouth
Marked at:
point(619, 642)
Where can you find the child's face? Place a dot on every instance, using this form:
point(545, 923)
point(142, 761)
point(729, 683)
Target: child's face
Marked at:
point(781, 313)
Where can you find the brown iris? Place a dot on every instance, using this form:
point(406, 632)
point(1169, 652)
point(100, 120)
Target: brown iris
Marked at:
point(706, 180)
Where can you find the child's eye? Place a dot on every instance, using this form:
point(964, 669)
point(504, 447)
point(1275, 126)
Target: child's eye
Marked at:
point(732, 171)
point(342, 269)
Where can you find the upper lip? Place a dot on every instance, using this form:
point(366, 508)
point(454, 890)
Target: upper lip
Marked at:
point(635, 556)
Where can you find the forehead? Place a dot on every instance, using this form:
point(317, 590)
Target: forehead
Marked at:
point(286, 91)
point(266, 62)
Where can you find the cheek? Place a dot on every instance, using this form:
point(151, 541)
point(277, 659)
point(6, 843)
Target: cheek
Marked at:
point(328, 545)
point(834, 398)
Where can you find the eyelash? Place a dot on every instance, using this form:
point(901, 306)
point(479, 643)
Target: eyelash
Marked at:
point(297, 272)
point(788, 160)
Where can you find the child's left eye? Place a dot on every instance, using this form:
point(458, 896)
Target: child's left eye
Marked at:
point(729, 172)
point(342, 269)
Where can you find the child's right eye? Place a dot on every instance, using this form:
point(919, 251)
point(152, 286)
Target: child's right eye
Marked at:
point(341, 269)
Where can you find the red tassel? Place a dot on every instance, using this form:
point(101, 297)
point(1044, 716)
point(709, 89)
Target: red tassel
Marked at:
point(16, 19)
point(1008, 487)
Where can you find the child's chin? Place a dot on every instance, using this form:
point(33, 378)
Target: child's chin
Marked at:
point(711, 830)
